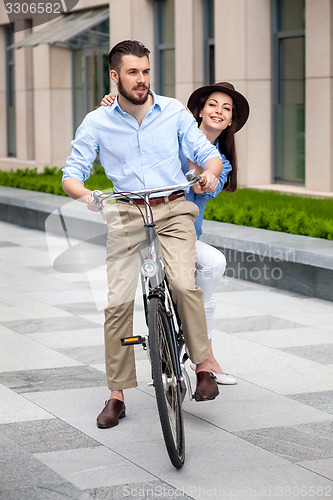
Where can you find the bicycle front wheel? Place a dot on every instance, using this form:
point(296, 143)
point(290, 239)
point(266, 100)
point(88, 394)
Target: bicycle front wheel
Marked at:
point(167, 388)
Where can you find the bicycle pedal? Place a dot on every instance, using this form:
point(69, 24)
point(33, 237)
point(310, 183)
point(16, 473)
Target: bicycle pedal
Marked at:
point(133, 340)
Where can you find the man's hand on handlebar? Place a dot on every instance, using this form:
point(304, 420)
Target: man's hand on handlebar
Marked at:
point(94, 203)
point(91, 205)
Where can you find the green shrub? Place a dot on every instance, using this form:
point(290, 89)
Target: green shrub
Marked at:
point(50, 180)
point(274, 211)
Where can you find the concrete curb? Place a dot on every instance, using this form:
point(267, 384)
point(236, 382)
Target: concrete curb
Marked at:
point(290, 262)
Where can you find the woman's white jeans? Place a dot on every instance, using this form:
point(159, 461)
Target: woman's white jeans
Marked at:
point(209, 269)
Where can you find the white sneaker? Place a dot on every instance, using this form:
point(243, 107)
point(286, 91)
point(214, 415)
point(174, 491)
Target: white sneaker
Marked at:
point(221, 378)
point(224, 378)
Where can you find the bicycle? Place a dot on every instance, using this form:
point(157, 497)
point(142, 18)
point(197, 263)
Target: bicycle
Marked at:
point(164, 341)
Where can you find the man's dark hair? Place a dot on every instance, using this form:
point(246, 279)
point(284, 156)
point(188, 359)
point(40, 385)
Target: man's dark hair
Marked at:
point(126, 47)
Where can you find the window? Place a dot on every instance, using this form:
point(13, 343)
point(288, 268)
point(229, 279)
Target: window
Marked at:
point(86, 34)
point(209, 44)
point(289, 91)
point(10, 93)
point(90, 72)
point(165, 47)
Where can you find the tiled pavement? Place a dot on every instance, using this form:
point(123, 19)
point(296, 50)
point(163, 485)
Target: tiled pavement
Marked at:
point(270, 436)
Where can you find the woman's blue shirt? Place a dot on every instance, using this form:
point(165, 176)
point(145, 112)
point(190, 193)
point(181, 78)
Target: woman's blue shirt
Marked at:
point(201, 199)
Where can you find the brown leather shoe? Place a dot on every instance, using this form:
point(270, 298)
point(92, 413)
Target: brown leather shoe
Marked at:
point(206, 387)
point(114, 409)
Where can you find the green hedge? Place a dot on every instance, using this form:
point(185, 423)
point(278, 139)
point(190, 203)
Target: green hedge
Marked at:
point(274, 211)
point(248, 207)
point(49, 181)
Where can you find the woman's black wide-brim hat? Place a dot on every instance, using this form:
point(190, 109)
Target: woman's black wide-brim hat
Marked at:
point(241, 104)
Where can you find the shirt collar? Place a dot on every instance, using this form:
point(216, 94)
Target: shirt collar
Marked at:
point(157, 103)
point(157, 99)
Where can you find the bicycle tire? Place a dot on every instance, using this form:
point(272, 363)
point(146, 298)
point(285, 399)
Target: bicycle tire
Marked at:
point(167, 389)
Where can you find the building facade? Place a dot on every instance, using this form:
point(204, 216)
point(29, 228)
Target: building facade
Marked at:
point(278, 53)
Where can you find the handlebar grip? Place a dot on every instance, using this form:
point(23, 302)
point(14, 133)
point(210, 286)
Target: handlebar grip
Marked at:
point(95, 201)
point(203, 181)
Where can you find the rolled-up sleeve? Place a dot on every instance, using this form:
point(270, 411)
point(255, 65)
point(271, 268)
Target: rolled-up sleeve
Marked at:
point(84, 152)
point(193, 142)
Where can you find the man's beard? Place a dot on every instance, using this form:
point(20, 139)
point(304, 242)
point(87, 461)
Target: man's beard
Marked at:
point(131, 98)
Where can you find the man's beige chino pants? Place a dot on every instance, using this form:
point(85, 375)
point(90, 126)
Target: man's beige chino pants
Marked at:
point(126, 248)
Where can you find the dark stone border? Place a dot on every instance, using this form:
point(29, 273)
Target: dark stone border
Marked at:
point(304, 279)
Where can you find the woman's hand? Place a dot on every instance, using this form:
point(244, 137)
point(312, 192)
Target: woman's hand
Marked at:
point(108, 100)
point(209, 184)
point(209, 181)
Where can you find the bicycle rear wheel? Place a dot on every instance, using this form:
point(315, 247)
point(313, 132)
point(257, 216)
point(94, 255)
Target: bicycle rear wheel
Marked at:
point(167, 388)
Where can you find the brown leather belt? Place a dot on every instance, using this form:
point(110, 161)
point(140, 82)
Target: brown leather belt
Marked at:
point(156, 201)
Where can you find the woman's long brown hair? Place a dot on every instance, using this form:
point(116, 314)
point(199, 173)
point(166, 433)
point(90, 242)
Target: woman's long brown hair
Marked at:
point(226, 141)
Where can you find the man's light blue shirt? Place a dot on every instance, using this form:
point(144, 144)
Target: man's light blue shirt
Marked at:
point(139, 156)
point(201, 199)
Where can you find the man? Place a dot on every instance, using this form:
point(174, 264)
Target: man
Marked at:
point(138, 140)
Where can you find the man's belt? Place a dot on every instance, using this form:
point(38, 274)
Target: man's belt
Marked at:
point(155, 201)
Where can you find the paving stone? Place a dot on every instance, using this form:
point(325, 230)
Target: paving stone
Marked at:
point(8, 244)
point(245, 406)
point(321, 353)
point(40, 436)
point(297, 443)
point(323, 468)
point(87, 355)
point(19, 469)
point(253, 323)
point(270, 368)
point(25, 255)
point(290, 337)
point(42, 247)
point(64, 295)
point(53, 492)
point(321, 400)
point(94, 467)
point(52, 379)
point(300, 310)
point(44, 270)
point(16, 408)
point(133, 491)
point(68, 339)
point(230, 285)
point(79, 308)
point(48, 324)
point(20, 353)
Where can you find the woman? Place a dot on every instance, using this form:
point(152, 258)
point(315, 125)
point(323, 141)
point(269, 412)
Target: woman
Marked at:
point(220, 112)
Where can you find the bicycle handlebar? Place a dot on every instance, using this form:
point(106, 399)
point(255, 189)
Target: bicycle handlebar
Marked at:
point(192, 178)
